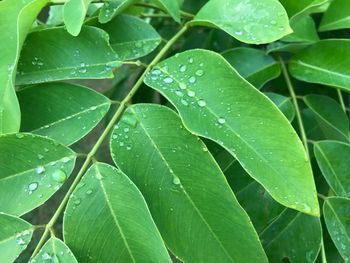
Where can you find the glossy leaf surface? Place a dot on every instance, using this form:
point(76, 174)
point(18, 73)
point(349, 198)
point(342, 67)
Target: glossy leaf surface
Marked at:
point(32, 169)
point(65, 120)
point(333, 159)
point(54, 250)
point(176, 175)
point(62, 56)
point(253, 64)
point(293, 237)
point(15, 234)
point(74, 12)
point(131, 37)
point(112, 8)
point(326, 62)
point(336, 214)
point(121, 220)
point(15, 21)
point(171, 6)
point(337, 16)
point(255, 22)
point(234, 114)
point(301, 7)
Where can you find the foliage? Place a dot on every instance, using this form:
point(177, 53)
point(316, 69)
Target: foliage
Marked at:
point(226, 124)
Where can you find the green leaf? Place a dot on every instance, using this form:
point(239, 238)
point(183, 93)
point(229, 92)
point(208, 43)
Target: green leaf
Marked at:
point(55, 15)
point(253, 64)
point(32, 169)
point(290, 47)
point(336, 214)
point(256, 22)
point(293, 237)
point(15, 234)
point(15, 21)
point(112, 8)
point(326, 62)
point(74, 12)
point(107, 220)
point(65, 120)
point(234, 114)
point(283, 103)
point(130, 37)
point(54, 250)
point(333, 159)
point(301, 7)
point(62, 56)
point(337, 16)
point(176, 174)
point(332, 119)
point(171, 6)
point(304, 30)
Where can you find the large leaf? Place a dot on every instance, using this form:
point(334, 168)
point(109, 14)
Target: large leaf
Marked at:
point(112, 8)
point(217, 103)
point(293, 237)
point(336, 214)
point(107, 220)
point(62, 56)
point(337, 16)
point(283, 103)
point(333, 159)
point(15, 235)
point(189, 199)
point(65, 120)
point(326, 62)
point(331, 117)
point(74, 12)
point(32, 169)
point(253, 64)
point(130, 37)
point(54, 250)
point(15, 21)
point(255, 22)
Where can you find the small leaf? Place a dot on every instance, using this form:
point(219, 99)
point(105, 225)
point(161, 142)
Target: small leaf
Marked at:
point(112, 8)
point(62, 56)
point(234, 114)
point(253, 64)
point(301, 7)
point(55, 15)
point(333, 159)
point(337, 16)
point(304, 30)
point(15, 21)
point(64, 120)
point(283, 103)
point(254, 22)
point(107, 220)
point(337, 215)
point(171, 6)
point(32, 169)
point(290, 47)
point(15, 235)
point(74, 12)
point(54, 250)
point(326, 62)
point(176, 174)
point(130, 37)
point(332, 119)
point(293, 237)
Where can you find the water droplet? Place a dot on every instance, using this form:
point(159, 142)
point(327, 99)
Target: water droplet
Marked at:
point(182, 85)
point(82, 70)
point(40, 156)
point(179, 93)
point(59, 176)
point(184, 102)
point(191, 93)
point(168, 80)
point(93, 108)
point(190, 60)
point(192, 80)
point(200, 72)
point(21, 242)
point(99, 176)
point(238, 33)
point(65, 159)
point(32, 187)
point(40, 169)
point(89, 192)
point(156, 72)
point(183, 68)
point(77, 201)
point(221, 120)
point(201, 103)
point(176, 180)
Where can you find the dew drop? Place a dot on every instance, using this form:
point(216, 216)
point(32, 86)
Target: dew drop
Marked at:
point(21, 242)
point(192, 80)
point(89, 192)
point(201, 103)
point(40, 169)
point(191, 93)
point(184, 102)
point(200, 72)
point(32, 187)
point(59, 176)
point(176, 181)
point(190, 60)
point(40, 156)
point(182, 85)
point(65, 159)
point(182, 68)
point(221, 120)
point(77, 201)
point(168, 80)
point(238, 33)
point(179, 93)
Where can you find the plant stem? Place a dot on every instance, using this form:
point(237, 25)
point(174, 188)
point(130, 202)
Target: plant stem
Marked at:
point(296, 105)
point(340, 96)
point(93, 151)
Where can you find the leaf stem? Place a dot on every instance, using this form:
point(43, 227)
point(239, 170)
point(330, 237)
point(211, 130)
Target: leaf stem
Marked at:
point(341, 100)
point(296, 105)
point(93, 151)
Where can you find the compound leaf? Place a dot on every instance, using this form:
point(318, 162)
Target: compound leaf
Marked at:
point(234, 114)
point(176, 174)
point(32, 169)
point(122, 228)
